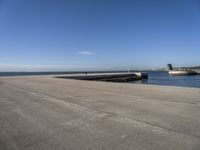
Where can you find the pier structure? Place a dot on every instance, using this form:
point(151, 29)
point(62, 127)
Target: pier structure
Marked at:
point(112, 77)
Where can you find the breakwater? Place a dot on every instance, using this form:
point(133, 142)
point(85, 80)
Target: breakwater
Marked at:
point(111, 77)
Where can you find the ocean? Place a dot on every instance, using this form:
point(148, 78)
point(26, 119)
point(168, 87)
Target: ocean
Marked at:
point(155, 78)
point(163, 78)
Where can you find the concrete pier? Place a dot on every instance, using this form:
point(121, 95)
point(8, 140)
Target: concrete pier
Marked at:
point(112, 77)
point(45, 113)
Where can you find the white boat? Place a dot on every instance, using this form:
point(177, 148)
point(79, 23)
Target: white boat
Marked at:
point(181, 72)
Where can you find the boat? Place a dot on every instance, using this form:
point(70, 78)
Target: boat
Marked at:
point(180, 72)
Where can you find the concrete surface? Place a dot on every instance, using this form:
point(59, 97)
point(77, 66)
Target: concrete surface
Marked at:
point(43, 113)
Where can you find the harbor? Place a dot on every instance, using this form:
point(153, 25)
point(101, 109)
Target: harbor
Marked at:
point(42, 112)
point(99, 75)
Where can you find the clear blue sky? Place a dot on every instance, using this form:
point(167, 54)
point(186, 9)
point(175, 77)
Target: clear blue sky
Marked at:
point(66, 35)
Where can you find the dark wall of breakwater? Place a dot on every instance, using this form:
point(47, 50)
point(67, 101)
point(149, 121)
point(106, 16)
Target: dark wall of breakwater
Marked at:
point(111, 77)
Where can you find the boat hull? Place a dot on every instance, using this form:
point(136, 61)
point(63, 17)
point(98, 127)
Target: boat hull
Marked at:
point(182, 73)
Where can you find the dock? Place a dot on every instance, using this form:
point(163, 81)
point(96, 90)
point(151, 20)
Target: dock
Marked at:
point(46, 113)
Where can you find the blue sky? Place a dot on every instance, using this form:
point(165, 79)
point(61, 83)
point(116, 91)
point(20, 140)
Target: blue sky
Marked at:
point(50, 35)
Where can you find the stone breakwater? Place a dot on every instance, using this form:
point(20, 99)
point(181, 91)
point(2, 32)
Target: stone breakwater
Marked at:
point(112, 77)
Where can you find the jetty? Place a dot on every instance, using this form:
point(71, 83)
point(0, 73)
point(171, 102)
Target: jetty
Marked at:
point(112, 77)
point(46, 113)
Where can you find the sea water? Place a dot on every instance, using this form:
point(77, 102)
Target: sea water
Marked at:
point(163, 78)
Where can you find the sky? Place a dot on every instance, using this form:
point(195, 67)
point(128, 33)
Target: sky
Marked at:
point(70, 35)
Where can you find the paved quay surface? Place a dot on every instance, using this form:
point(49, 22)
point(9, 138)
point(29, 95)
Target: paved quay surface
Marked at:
point(44, 113)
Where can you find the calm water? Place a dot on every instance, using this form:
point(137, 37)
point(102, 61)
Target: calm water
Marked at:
point(163, 78)
point(155, 78)
point(32, 73)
